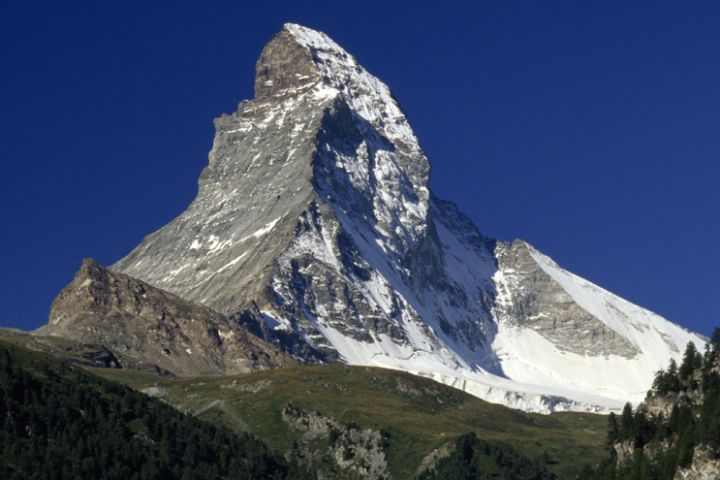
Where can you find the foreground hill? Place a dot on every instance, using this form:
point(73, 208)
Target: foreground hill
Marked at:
point(373, 420)
point(338, 422)
point(59, 422)
point(675, 433)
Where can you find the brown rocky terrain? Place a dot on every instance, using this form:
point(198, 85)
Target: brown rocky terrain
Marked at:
point(152, 328)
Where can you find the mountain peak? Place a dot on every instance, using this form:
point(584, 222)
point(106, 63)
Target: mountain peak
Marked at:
point(285, 64)
point(298, 56)
point(315, 213)
point(313, 39)
point(89, 265)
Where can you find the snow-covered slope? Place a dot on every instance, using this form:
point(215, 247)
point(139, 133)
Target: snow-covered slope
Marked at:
point(314, 226)
point(613, 348)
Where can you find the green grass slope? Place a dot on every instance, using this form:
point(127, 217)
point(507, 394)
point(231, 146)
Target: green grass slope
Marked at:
point(421, 418)
point(60, 422)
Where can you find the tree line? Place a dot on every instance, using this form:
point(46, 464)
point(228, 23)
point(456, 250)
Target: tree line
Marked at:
point(660, 443)
point(476, 459)
point(59, 422)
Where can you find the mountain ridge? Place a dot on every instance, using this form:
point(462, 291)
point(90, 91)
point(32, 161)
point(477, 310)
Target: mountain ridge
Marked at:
point(147, 328)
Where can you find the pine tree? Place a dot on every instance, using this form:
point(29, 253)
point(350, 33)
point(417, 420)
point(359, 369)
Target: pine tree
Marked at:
point(660, 384)
point(673, 377)
point(689, 424)
point(58, 423)
point(626, 422)
point(692, 360)
point(613, 432)
point(715, 340)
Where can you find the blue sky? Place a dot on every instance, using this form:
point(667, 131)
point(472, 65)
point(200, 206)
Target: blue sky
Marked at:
point(589, 129)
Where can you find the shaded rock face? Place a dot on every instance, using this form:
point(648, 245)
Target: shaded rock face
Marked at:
point(154, 328)
point(315, 228)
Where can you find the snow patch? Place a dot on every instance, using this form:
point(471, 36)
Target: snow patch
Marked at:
point(262, 231)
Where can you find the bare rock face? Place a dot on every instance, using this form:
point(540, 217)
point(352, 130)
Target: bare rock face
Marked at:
point(703, 467)
point(355, 450)
point(154, 328)
point(314, 227)
point(284, 64)
point(535, 294)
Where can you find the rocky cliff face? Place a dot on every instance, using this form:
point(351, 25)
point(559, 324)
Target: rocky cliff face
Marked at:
point(703, 467)
point(315, 227)
point(526, 295)
point(154, 329)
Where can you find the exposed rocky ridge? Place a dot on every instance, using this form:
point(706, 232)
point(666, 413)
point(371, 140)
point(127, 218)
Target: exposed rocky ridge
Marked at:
point(315, 227)
point(543, 295)
point(148, 327)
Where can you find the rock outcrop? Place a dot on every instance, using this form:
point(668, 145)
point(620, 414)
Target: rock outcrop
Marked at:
point(149, 328)
point(360, 452)
point(703, 467)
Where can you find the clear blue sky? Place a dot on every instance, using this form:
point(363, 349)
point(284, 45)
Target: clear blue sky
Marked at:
point(589, 129)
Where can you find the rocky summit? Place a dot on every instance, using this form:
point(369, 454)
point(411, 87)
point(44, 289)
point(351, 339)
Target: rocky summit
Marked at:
point(314, 227)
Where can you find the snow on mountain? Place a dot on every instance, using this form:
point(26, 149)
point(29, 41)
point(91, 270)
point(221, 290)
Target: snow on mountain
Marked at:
point(314, 227)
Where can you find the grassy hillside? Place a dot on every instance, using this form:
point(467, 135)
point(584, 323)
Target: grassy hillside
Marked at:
point(60, 422)
point(477, 459)
point(419, 418)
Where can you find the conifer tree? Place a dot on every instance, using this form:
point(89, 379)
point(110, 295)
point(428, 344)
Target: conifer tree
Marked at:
point(691, 361)
point(626, 422)
point(715, 339)
point(613, 433)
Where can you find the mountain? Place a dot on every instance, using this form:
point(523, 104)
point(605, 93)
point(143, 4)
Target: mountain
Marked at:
point(314, 227)
point(147, 328)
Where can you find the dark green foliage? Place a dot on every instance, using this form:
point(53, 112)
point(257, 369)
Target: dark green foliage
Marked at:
point(667, 381)
point(673, 438)
point(644, 428)
point(418, 414)
point(60, 422)
point(613, 432)
point(626, 422)
point(476, 459)
point(715, 340)
point(692, 361)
